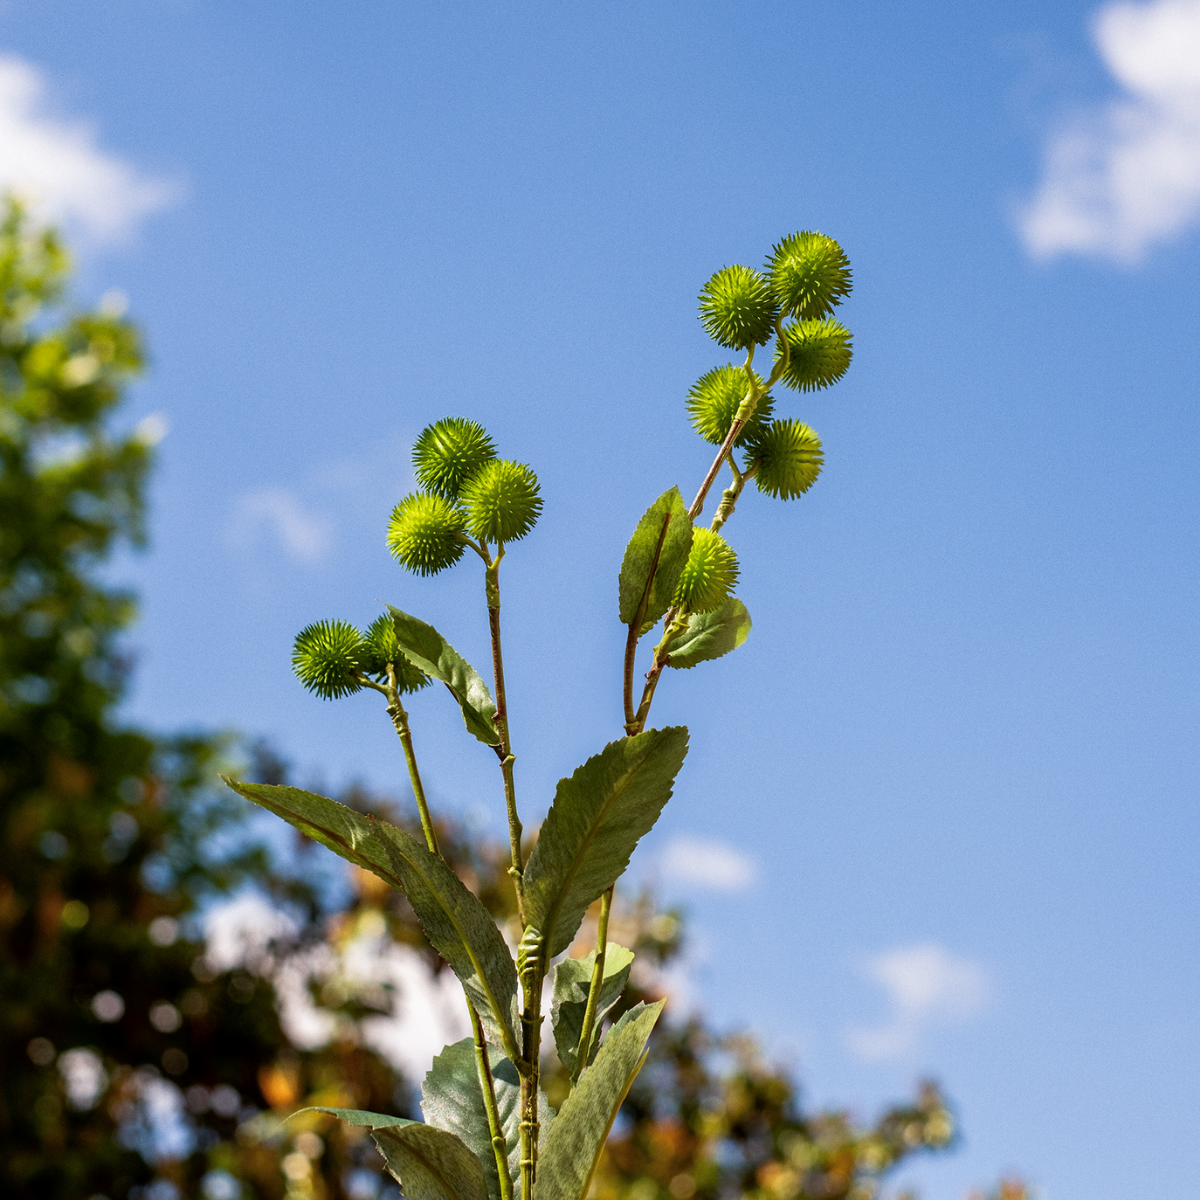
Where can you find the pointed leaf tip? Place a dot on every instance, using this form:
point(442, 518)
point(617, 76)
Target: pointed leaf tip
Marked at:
point(568, 1162)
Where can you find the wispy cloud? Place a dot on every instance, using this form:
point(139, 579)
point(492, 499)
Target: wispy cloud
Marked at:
point(1124, 176)
point(925, 985)
point(276, 513)
point(708, 863)
point(58, 167)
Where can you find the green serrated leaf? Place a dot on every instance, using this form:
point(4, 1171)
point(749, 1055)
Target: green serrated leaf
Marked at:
point(425, 648)
point(572, 982)
point(592, 828)
point(459, 927)
point(709, 635)
point(568, 1162)
point(452, 1099)
point(639, 557)
point(428, 1163)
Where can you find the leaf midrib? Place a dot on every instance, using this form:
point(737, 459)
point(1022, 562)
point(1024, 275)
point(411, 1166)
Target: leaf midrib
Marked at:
point(560, 899)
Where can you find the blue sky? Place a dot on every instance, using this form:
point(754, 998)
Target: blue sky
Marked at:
point(948, 787)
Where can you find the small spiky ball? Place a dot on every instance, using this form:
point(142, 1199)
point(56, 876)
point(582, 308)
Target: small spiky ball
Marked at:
point(380, 647)
point(738, 308)
point(788, 458)
point(448, 452)
point(714, 400)
point(325, 655)
point(709, 575)
point(819, 354)
point(809, 274)
point(425, 533)
point(502, 501)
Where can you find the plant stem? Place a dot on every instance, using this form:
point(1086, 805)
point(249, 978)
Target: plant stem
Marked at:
point(499, 1143)
point(531, 1028)
point(504, 750)
point(730, 496)
point(673, 623)
point(400, 721)
point(593, 1002)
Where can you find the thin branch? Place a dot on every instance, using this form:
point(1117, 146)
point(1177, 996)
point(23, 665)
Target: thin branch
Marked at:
point(593, 1001)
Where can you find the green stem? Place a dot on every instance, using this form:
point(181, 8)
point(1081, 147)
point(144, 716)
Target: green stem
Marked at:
point(395, 710)
point(531, 1028)
point(730, 496)
point(499, 1142)
point(593, 1002)
point(400, 721)
point(673, 622)
point(504, 750)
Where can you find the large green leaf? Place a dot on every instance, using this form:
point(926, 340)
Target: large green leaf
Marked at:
point(639, 558)
point(572, 982)
point(427, 1163)
point(709, 635)
point(592, 828)
point(452, 1099)
point(566, 1165)
point(424, 647)
point(460, 928)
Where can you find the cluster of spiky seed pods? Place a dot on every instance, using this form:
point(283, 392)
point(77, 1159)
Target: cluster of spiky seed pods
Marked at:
point(468, 493)
point(806, 277)
point(334, 658)
point(470, 498)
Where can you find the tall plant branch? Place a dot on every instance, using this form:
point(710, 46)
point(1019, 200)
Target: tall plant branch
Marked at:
point(754, 394)
point(504, 749)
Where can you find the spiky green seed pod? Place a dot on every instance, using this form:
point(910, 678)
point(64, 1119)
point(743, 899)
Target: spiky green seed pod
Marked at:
point(819, 354)
point(709, 575)
point(714, 400)
point(787, 456)
point(448, 452)
point(325, 655)
point(809, 274)
point(738, 308)
point(502, 501)
point(380, 647)
point(425, 533)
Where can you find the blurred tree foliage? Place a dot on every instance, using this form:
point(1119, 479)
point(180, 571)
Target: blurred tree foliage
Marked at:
point(136, 1061)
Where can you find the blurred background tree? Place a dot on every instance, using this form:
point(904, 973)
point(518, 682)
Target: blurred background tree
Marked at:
point(171, 987)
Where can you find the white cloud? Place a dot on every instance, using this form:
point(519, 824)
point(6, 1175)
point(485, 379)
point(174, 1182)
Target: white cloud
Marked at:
point(276, 511)
point(57, 166)
point(708, 863)
point(925, 984)
point(1126, 175)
